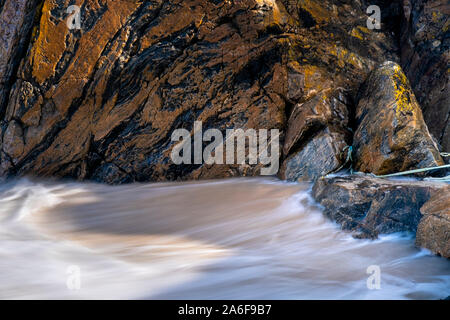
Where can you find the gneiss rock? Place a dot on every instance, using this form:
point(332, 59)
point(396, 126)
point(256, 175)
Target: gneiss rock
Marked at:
point(433, 232)
point(322, 155)
point(425, 58)
point(16, 18)
point(102, 102)
point(371, 206)
point(391, 134)
point(316, 137)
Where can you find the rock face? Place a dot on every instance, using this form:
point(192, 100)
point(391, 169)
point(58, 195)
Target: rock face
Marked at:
point(333, 52)
point(391, 134)
point(320, 156)
point(318, 133)
point(372, 206)
point(425, 57)
point(102, 101)
point(433, 232)
point(16, 18)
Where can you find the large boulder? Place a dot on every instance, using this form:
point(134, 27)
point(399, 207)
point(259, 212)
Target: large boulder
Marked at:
point(425, 58)
point(323, 77)
point(371, 206)
point(433, 232)
point(391, 134)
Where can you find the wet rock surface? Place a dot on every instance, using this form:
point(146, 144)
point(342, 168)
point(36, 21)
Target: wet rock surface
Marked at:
point(391, 134)
point(433, 232)
point(371, 206)
point(102, 102)
point(317, 134)
point(320, 156)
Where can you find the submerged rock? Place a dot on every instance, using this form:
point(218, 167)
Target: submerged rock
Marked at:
point(371, 206)
point(391, 134)
point(433, 232)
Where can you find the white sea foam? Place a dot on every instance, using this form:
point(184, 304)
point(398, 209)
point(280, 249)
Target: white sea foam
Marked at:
point(230, 239)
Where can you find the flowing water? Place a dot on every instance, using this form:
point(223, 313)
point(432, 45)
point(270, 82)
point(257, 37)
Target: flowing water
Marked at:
point(229, 239)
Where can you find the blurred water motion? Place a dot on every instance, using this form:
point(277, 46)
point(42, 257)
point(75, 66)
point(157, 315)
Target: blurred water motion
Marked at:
point(229, 239)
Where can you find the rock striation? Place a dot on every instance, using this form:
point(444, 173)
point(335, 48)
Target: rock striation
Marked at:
point(16, 20)
point(391, 134)
point(370, 206)
point(101, 102)
point(425, 57)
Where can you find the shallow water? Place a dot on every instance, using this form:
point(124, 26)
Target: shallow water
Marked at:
point(228, 239)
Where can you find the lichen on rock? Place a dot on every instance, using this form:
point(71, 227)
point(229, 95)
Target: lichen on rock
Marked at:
point(391, 134)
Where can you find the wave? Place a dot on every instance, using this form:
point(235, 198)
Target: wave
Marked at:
point(228, 239)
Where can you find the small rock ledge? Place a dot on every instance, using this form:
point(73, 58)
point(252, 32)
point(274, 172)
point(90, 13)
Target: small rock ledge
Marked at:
point(370, 206)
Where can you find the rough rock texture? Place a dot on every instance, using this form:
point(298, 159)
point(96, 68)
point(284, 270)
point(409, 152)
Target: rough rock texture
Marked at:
point(320, 156)
point(391, 134)
point(333, 53)
point(371, 206)
point(425, 57)
point(433, 232)
point(318, 130)
point(101, 102)
point(17, 17)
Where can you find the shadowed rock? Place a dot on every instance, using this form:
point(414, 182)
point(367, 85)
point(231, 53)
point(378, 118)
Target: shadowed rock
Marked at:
point(316, 137)
point(371, 206)
point(425, 42)
point(102, 102)
point(16, 18)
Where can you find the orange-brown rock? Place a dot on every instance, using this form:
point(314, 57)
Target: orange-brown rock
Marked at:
point(102, 102)
point(316, 137)
point(391, 134)
point(433, 232)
